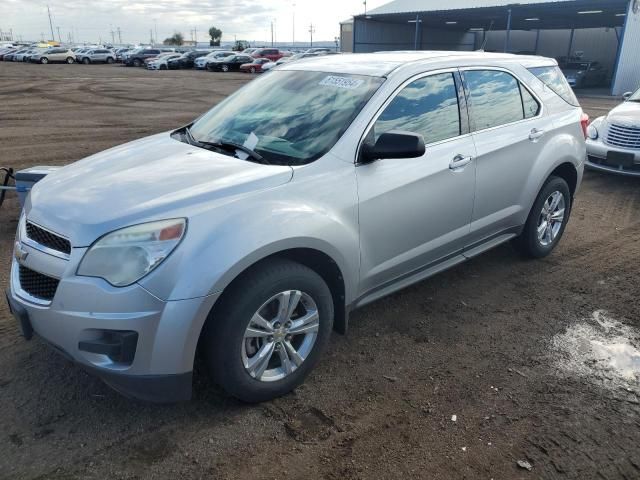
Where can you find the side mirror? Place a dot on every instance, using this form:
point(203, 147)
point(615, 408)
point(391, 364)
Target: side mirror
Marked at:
point(394, 144)
point(627, 95)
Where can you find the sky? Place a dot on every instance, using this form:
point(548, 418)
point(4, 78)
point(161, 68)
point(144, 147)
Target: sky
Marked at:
point(93, 20)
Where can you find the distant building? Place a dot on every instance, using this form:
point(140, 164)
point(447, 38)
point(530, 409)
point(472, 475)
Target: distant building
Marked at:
point(596, 30)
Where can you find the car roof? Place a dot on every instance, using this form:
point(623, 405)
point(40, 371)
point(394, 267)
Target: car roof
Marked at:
point(383, 63)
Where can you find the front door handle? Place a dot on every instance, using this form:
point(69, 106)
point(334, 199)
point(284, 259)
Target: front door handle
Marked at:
point(460, 161)
point(535, 134)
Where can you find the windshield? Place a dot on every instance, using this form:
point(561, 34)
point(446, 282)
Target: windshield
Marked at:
point(635, 97)
point(288, 117)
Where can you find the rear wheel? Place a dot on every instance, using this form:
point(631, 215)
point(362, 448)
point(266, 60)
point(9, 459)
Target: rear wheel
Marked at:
point(69, 60)
point(44, 60)
point(137, 63)
point(547, 220)
point(253, 69)
point(225, 68)
point(110, 60)
point(269, 331)
point(86, 61)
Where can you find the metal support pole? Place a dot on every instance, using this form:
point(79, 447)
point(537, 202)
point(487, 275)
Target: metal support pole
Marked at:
point(537, 42)
point(571, 42)
point(415, 40)
point(508, 36)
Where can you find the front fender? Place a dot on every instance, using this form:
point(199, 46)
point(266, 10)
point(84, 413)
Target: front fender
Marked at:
point(221, 244)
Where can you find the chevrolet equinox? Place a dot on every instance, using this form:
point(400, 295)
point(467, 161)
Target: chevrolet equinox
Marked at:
point(252, 232)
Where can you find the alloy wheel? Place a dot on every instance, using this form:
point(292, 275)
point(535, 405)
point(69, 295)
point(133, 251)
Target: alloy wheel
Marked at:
point(551, 218)
point(280, 336)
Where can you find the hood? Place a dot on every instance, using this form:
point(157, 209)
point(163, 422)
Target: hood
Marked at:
point(626, 114)
point(153, 178)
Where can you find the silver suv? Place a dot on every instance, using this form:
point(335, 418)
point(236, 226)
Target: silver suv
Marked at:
point(251, 233)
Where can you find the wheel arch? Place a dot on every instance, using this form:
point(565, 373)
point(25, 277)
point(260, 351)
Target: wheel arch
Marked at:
point(568, 172)
point(317, 260)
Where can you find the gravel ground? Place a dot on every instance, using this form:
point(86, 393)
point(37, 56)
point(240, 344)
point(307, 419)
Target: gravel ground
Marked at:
point(496, 361)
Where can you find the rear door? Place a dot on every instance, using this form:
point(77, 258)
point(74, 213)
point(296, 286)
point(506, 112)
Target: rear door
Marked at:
point(509, 132)
point(415, 212)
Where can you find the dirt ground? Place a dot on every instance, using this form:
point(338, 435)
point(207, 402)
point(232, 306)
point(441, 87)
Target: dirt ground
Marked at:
point(505, 345)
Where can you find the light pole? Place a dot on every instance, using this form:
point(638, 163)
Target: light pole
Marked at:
point(293, 26)
point(311, 32)
point(155, 24)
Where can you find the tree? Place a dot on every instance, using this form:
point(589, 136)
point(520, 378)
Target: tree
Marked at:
point(175, 39)
point(216, 36)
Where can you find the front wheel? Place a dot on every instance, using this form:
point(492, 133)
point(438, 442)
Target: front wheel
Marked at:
point(110, 60)
point(70, 60)
point(137, 63)
point(44, 60)
point(225, 68)
point(547, 220)
point(269, 331)
point(86, 61)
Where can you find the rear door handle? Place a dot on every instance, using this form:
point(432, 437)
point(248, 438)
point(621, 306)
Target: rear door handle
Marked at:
point(460, 161)
point(535, 134)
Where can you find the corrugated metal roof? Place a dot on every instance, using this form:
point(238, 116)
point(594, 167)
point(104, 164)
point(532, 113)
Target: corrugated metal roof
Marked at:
point(409, 6)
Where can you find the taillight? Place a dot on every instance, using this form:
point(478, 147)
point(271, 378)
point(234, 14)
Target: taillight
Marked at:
point(584, 123)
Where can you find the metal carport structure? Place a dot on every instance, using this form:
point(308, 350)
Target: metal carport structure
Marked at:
point(463, 25)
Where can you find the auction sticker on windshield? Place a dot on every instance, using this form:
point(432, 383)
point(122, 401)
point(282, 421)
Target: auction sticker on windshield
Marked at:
point(341, 82)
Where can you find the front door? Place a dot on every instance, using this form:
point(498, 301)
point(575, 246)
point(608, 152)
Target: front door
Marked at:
point(415, 213)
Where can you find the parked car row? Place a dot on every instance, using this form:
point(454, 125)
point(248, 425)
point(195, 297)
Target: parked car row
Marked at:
point(250, 60)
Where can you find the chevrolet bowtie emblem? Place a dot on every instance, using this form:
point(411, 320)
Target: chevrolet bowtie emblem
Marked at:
point(19, 253)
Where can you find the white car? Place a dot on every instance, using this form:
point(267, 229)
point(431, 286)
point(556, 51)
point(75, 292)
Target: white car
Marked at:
point(613, 143)
point(161, 62)
point(201, 63)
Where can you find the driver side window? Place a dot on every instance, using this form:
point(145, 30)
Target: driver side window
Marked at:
point(427, 106)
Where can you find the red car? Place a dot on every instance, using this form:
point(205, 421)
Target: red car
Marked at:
point(255, 66)
point(272, 54)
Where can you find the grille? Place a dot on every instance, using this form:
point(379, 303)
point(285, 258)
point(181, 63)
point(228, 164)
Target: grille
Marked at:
point(627, 137)
point(48, 239)
point(36, 284)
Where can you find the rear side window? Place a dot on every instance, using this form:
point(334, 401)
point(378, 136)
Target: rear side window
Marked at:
point(553, 78)
point(428, 106)
point(530, 105)
point(495, 98)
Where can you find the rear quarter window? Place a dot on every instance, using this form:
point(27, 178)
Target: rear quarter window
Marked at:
point(553, 78)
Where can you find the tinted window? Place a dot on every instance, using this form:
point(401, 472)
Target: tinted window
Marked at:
point(495, 98)
point(553, 78)
point(529, 103)
point(428, 106)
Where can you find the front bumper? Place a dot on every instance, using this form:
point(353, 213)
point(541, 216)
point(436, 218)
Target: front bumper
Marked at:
point(85, 310)
point(597, 153)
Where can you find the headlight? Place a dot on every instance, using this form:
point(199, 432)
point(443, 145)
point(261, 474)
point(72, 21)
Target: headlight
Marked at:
point(592, 132)
point(125, 256)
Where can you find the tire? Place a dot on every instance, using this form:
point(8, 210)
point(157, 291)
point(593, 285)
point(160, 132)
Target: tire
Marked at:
point(70, 60)
point(137, 62)
point(253, 69)
point(225, 68)
point(229, 352)
point(86, 61)
point(44, 60)
point(163, 67)
point(110, 60)
point(530, 243)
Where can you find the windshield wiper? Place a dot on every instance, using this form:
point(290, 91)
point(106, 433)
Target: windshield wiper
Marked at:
point(225, 146)
point(236, 146)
